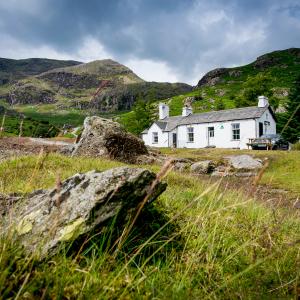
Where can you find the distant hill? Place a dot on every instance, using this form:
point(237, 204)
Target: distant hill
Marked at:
point(14, 69)
point(227, 83)
point(100, 86)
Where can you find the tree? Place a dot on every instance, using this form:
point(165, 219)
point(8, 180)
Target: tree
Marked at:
point(139, 118)
point(290, 121)
point(258, 85)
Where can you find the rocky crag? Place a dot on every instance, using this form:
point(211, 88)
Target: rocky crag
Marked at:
point(102, 86)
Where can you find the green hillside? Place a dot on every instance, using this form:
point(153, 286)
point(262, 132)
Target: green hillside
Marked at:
point(226, 85)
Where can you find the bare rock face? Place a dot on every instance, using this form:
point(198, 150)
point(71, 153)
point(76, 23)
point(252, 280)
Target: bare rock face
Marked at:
point(47, 218)
point(213, 77)
point(243, 162)
point(103, 137)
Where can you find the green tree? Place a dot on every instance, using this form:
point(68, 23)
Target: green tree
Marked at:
point(258, 85)
point(290, 121)
point(139, 118)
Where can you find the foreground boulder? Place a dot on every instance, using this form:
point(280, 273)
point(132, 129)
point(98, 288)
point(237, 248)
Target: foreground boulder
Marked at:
point(103, 137)
point(80, 204)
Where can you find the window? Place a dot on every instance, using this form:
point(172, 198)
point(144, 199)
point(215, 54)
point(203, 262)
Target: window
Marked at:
point(211, 132)
point(190, 133)
point(154, 137)
point(235, 131)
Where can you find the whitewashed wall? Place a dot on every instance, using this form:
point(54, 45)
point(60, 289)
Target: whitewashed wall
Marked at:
point(223, 135)
point(162, 137)
point(269, 129)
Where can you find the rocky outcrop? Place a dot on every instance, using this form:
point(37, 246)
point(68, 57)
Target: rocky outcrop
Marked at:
point(213, 77)
point(23, 93)
point(265, 61)
point(46, 219)
point(103, 137)
point(70, 80)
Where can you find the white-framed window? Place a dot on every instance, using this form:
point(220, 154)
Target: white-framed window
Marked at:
point(211, 132)
point(154, 137)
point(236, 133)
point(190, 134)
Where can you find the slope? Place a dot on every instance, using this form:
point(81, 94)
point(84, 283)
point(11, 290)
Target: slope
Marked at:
point(221, 87)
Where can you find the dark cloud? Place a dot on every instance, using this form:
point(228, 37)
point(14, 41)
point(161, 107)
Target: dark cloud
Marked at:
point(190, 36)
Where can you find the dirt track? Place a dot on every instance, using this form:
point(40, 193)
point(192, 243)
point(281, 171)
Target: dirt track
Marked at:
point(12, 146)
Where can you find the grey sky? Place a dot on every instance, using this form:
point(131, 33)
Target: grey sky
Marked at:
point(161, 40)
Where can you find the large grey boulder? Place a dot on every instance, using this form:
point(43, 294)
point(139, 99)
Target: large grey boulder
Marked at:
point(243, 162)
point(103, 137)
point(203, 167)
point(47, 218)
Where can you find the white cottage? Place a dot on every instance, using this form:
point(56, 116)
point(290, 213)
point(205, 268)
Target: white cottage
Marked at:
point(231, 128)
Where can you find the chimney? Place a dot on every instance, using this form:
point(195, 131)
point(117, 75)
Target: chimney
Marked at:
point(263, 101)
point(163, 111)
point(187, 110)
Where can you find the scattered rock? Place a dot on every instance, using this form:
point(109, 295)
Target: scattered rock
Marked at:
point(265, 61)
point(243, 162)
point(221, 92)
point(280, 109)
point(245, 174)
point(103, 137)
point(203, 167)
point(213, 77)
point(47, 218)
point(188, 101)
point(150, 160)
point(221, 171)
point(181, 164)
point(235, 73)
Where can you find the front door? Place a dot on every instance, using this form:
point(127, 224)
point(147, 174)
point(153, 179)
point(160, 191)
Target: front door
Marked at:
point(260, 129)
point(174, 140)
point(210, 135)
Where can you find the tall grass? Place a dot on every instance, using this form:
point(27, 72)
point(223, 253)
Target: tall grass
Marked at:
point(197, 241)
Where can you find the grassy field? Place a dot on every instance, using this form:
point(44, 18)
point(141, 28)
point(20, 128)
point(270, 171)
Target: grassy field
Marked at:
point(197, 241)
point(283, 172)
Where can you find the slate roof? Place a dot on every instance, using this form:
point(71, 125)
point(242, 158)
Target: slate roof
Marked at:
point(253, 112)
point(243, 113)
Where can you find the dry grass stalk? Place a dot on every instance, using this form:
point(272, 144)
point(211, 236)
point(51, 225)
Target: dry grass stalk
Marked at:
point(167, 167)
point(39, 164)
point(58, 189)
point(258, 177)
point(2, 125)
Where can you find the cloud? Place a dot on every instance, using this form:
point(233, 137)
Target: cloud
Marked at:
point(177, 39)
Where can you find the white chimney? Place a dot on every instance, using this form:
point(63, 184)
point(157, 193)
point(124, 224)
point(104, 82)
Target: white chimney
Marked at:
point(187, 110)
point(163, 111)
point(263, 101)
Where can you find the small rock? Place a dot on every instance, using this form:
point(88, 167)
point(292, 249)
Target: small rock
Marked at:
point(181, 166)
point(243, 162)
point(203, 167)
